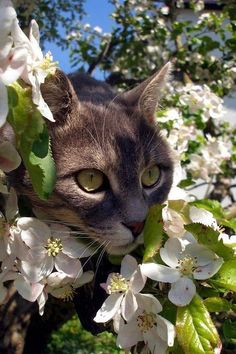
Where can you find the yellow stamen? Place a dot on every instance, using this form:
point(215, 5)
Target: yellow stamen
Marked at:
point(54, 246)
point(118, 284)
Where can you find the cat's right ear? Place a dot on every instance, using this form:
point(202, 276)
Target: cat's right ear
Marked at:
point(60, 96)
point(146, 96)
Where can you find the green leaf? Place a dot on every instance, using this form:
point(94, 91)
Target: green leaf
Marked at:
point(195, 330)
point(209, 237)
point(217, 304)
point(153, 232)
point(229, 331)
point(32, 140)
point(226, 276)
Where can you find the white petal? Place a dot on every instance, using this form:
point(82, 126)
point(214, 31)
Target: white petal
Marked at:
point(71, 266)
point(15, 67)
point(160, 272)
point(85, 278)
point(129, 335)
point(137, 281)
point(109, 308)
point(57, 278)
point(129, 305)
point(3, 105)
point(154, 342)
point(203, 255)
point(28, 291)
point(34, 232)
point(208, 270)
point(166, 330)
point(34, 272)
point(75, 248)
point(149, 303)
point(9, 157)
point(171, 252)
point(202, 216)
point(42, 298)
point(128, 266)
point(182, 292)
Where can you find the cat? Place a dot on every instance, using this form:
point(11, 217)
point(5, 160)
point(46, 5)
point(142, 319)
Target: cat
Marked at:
point(112, 162)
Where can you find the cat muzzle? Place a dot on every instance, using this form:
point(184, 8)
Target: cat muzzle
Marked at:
point(136, 227)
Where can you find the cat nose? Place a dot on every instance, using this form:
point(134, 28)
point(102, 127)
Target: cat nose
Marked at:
point(136, 227)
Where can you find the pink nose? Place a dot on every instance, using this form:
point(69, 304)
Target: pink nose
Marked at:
point(136, 227)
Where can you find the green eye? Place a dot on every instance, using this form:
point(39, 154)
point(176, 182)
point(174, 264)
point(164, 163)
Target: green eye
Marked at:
point(90, 179)
point(150, 176)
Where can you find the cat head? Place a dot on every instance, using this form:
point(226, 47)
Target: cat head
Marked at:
point(112, 162)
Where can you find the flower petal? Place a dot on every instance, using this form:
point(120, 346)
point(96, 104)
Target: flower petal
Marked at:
point(182, 292)
point(109, 308)
point(160, 272)
point(129, 335)
point(129, 305)
point(28, 291)
point(34, 272)
point(71, 266)
point(137, 281)
point(85, 278)
point(208, 270)
point(9, 157)
point(203, 255)
point(171, 252)
point(42, 298)
point(33, 231)
point(166, 330)
point(75, 248)
point(128, 266)
point(149, 303)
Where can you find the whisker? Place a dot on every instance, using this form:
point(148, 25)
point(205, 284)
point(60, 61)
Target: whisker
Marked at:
point(100, 259)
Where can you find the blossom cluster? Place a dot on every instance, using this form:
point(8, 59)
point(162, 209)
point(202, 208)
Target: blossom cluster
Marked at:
point(192, 103)
point(21, 57)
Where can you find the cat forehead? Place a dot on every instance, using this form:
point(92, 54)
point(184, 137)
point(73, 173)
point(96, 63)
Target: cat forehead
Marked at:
point(105, 137)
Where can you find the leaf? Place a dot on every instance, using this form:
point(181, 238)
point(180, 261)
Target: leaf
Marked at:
point(195, 330)
point(226, 276)
point(153, 232)
point(229, 331)
point(209, 237)
point(32, 140)
point(217, 304)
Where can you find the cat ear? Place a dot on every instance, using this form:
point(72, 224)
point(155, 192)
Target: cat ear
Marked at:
point(147, 94)
point(60, 96)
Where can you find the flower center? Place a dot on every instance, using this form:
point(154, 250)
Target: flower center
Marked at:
point(146, 321)
point(54, 246)
point(66, 293)
point(47, 64)
point(118, 284)
point(187, 264)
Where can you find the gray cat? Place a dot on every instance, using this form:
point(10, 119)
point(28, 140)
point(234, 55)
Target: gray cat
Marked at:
point(112, 163)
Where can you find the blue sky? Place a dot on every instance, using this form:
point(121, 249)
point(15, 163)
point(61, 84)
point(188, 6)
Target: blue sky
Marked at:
point(97, 15)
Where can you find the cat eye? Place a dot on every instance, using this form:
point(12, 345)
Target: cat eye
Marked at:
point(150, 176)
point(90, 179)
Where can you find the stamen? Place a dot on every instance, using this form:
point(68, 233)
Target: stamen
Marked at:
point(187, 264)
point(118, 284)
point(54, 246)
point(146, 321)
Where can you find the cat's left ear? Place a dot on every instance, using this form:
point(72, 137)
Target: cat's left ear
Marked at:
point(146, 95)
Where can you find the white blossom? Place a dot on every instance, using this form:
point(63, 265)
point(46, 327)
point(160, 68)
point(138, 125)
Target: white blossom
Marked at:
point(122, 289)
point(49, 247)
point(186, 261)
point(146, 325)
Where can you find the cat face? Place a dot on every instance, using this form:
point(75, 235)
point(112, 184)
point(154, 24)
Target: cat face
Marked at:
point(112, 164)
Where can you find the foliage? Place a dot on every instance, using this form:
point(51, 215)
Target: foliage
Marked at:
point(71, 338)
